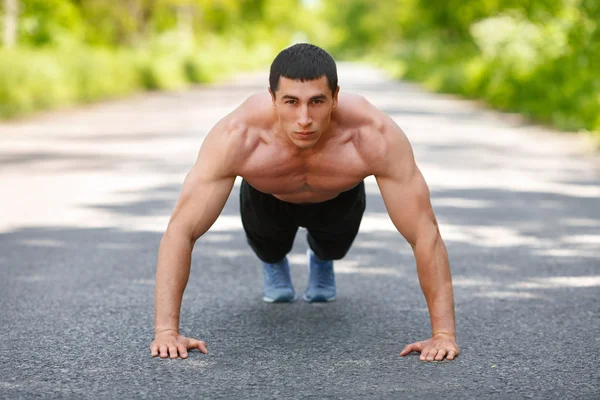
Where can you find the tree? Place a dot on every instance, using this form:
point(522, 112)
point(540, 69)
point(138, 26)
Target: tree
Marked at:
point(11, 9)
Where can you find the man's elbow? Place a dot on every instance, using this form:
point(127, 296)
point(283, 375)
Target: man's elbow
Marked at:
point(180, 232)
point(427, 237)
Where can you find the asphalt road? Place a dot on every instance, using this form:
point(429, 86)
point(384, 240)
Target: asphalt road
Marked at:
point(87, 193)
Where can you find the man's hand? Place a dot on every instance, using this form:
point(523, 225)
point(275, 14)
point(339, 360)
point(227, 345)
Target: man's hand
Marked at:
point(440, 345)
point(172, 342)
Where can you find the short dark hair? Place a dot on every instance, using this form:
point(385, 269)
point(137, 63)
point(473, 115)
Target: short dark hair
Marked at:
point(303, 62)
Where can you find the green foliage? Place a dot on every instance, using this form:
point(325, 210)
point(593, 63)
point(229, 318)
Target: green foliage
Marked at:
point(133, 22)
point(35, 80)
point(72, 51)
point(32, 80)
point(49, 22)
point(537, 58)
point(29, 82)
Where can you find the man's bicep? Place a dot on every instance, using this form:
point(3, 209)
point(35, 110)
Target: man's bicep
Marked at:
point(408, 204)
point(206, 186)
point(403, 187)
point(202, 199)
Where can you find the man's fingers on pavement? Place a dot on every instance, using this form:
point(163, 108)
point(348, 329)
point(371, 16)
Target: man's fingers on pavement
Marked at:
point(432, 354)
point(451, 355)
point(182, 351)
point(407, 349)
point(410, 348)
point(425, 353)
point(202, 347)
point(198, 344)
point(173, 351)
point(163, 351)
point(440, 355)
point(154, 350)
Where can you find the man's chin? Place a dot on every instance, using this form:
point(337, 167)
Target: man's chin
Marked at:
point(304, 144)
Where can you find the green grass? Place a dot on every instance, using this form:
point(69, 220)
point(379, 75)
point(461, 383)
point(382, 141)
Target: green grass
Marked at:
point(40, 79)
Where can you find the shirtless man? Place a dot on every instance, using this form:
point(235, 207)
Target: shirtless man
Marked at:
point(303, 152)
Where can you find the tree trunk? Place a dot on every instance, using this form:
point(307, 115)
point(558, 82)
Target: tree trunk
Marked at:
point(10, 22)
point(185, 21)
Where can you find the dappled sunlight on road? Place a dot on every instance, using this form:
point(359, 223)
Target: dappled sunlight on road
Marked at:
point(496, 182)
point(486, 287)
point(87, 194)
point(559, 282)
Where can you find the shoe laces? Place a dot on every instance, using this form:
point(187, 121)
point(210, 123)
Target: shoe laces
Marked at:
point(322, 276)
point(277, 276)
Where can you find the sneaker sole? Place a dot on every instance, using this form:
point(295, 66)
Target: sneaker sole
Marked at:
point(319, 299)
point(271, 300)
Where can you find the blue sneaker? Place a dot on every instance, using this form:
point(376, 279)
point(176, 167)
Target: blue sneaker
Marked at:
point(278, 282)
point(321, 280)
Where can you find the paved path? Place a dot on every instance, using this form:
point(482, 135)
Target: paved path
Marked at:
point(87, 193)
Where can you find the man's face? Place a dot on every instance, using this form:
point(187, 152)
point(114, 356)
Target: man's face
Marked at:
point(304, 109)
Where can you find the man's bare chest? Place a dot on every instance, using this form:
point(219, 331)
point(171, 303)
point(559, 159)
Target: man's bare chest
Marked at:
point(306, 179)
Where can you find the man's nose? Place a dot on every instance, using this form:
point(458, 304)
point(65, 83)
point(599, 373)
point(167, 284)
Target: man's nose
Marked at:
point(304, 118)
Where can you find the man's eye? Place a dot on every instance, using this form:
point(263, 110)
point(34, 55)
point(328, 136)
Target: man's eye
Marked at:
point(317, 101)
point(290, 102)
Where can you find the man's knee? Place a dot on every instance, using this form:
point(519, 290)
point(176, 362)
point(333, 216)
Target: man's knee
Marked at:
point(336, 254)
point(334, 251)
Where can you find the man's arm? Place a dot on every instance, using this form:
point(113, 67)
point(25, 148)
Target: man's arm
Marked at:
point(407, 199)
point(205, 191)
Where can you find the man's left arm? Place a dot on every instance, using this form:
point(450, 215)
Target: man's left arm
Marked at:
point(407, 199)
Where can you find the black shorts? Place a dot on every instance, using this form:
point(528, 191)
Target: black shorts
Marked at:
point(271, 224)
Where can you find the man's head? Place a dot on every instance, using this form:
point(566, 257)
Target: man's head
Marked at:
point(304, 89)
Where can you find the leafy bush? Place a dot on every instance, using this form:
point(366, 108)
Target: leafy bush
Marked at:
point(37, 79)
point(561, 89)
point(537, 58)
point(30, 81)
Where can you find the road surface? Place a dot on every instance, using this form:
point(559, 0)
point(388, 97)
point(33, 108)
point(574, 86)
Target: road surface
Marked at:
point(87, 194)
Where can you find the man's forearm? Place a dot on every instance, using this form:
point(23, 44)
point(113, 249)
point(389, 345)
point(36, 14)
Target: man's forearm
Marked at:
point(172, 274)
point(436, 282)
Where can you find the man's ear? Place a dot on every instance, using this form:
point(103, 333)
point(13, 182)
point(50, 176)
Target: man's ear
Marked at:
point(272, 97)
point(335, 97)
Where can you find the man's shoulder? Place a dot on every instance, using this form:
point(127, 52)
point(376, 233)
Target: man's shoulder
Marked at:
point(255, 112)
point(356, 112)
point(249, 120)
point(376, 136)
point(239, 134)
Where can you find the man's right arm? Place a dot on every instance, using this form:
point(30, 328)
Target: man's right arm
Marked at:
point(194, 215)
point(205, 191)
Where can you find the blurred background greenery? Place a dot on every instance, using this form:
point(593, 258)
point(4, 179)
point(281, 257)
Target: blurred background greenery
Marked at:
point(63, 52)
point(537, 57)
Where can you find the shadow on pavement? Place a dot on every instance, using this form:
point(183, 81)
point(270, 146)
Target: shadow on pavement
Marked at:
point(83, 315)
point(76, 304)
